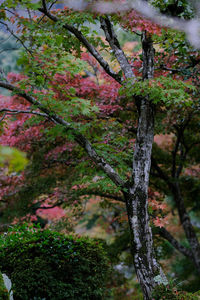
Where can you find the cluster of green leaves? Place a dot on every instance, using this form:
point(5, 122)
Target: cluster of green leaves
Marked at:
point(49, 265)
point(24, 3)
point(180, 8)
point(163, 90)
point(176, 53)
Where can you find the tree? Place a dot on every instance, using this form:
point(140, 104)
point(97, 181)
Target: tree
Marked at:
point(69, 32)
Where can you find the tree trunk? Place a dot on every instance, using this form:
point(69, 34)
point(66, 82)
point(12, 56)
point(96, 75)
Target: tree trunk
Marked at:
point(148, 271)
point(187, 225)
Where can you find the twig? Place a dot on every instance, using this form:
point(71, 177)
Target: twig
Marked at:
point(17, 38)
point(2, 118)
point(15, 111)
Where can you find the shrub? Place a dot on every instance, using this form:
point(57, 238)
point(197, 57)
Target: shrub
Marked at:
point(48, 265)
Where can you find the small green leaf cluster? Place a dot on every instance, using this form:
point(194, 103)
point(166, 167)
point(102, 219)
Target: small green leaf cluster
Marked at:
point(23, 3)
point(163, 90)
point(181, 8)
point(49, 265)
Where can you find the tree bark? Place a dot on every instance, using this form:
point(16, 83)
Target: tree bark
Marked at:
point(173, 184)
point(187, 225)
point(148, 271)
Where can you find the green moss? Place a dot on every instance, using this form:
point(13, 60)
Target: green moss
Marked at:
point(163, 292)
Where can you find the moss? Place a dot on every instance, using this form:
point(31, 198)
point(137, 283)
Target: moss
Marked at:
point(163, 292)
point(3, 291)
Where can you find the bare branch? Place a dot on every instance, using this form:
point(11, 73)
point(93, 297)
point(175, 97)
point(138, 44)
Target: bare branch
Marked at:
point(15, 111)
point(175, 151)
point(52, 4)
point(161, 173)
point(83, 192)
point(2, 118)
point(193, 63)
point(166, 235)
point(16, 37)
point(48, 207)
point(9, 49)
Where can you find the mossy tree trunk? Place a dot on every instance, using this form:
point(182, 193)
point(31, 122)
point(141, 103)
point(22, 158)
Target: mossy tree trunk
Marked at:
point(146, 266)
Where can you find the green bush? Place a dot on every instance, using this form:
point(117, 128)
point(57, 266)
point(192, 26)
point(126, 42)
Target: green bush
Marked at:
point(51, 266)
point(3, 291)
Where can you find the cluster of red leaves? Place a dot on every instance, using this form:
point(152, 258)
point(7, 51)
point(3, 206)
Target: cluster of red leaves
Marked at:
point(101, 89)
point(53, 212)
point(135, 22)
point(159, 217)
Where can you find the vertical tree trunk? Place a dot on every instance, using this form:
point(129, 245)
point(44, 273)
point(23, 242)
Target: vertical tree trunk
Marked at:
point(187, 226)
point(147, 269)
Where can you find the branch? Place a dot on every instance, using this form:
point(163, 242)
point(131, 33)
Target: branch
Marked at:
point(179, 143)
point(52, 4)
point(166, 235)
point(78, 137)
point(111, 37)
point(3, 117)
point(183, 153)
point(15, 111)
point(113, 197)
point(17, 38)
point(175, 151)
point(183, 156)
point(85, 42)
point(9, 49)
point(100, 194)
point(160, 172)
point(194, 62)
point(44, 5)
point(49, 207)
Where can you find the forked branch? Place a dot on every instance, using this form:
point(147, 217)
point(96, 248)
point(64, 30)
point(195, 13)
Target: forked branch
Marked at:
point(111, 37)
